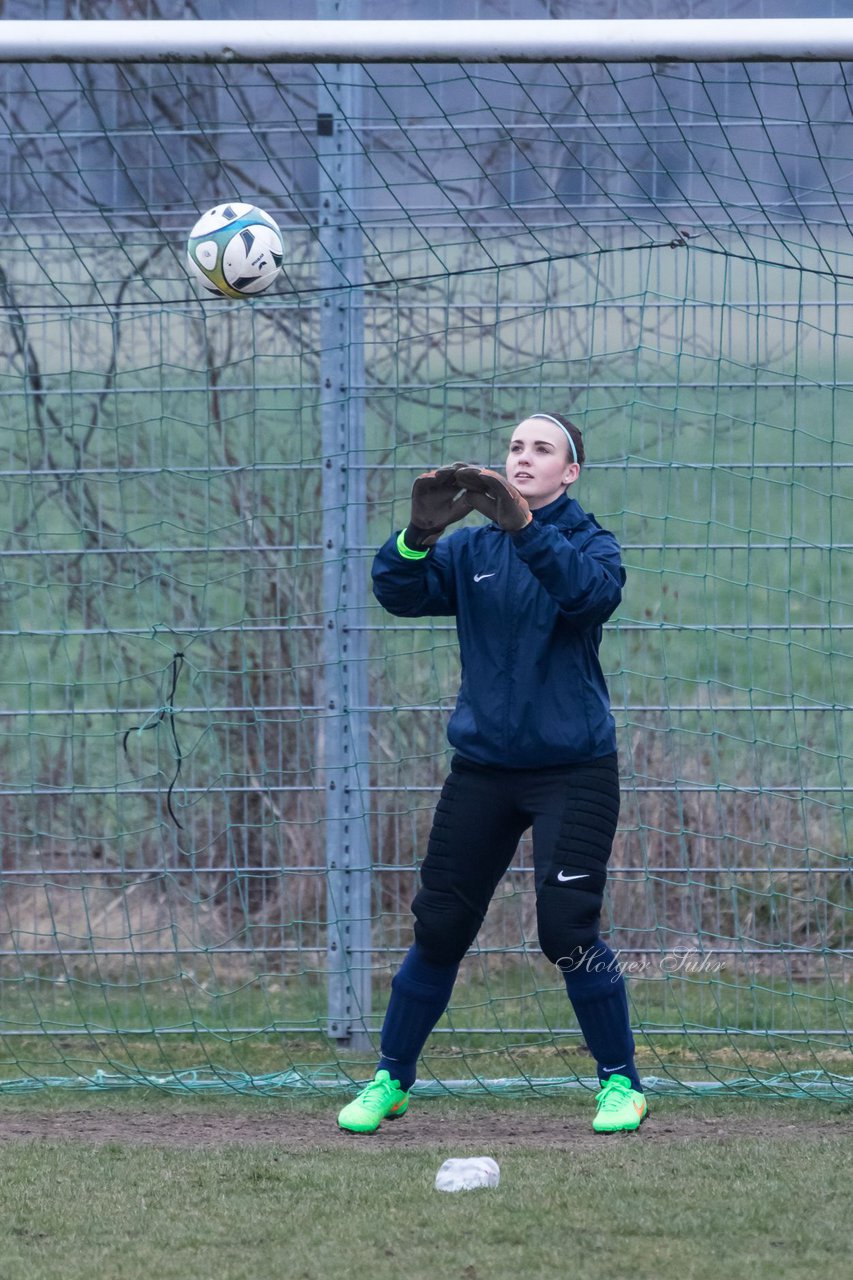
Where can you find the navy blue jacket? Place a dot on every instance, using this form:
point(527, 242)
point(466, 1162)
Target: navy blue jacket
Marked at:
point(529, 609)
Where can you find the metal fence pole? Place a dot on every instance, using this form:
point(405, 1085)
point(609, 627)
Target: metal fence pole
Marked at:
point(345, 727)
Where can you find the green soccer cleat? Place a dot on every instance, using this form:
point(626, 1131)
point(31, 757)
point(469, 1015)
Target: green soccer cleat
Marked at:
point(619, 1107)
point(382, 1098)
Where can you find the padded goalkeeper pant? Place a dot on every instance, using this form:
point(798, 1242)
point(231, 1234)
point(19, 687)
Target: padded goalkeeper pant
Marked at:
point(480, 817)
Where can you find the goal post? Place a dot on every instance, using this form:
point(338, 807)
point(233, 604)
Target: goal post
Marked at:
point(645, 225)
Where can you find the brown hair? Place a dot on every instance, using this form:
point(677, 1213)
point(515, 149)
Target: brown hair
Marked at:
point(571, 430)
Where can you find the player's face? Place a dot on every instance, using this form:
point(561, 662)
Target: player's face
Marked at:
point(539, 462)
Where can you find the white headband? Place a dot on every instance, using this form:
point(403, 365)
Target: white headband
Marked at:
point(548, 418)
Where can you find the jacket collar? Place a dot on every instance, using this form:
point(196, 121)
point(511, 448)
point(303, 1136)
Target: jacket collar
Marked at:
point(563, 511)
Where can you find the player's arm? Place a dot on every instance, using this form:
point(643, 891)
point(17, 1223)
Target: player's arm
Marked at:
point(585, 578)
point(414, 586)
point(412, 574)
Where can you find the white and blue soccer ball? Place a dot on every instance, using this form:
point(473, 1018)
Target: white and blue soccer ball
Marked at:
point(235, 249)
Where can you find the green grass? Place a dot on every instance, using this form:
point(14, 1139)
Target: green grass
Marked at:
point(765, 1206)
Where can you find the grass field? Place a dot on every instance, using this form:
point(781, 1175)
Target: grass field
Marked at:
point(137, 1187)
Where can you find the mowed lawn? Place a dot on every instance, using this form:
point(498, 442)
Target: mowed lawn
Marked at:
point(717, 1189)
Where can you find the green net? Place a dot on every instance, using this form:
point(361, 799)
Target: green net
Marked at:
point(219, 756)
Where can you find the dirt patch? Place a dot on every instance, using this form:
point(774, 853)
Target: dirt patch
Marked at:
point(480, 1130)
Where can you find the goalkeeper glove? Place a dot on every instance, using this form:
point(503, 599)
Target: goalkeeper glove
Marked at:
point(494, 497)
point(437, 501)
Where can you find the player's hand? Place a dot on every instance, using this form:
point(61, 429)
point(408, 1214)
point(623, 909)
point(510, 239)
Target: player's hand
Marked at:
point(437, 501)
point(493, 496)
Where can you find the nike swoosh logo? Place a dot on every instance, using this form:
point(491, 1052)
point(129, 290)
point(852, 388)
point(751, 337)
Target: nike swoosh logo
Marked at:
point(563, 878)
point(478, 577)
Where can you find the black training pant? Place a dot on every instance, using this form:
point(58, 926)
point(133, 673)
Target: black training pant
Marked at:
point(480, 817)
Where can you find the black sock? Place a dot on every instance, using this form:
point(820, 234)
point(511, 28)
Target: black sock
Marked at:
point(420, 993)
point(597, 991)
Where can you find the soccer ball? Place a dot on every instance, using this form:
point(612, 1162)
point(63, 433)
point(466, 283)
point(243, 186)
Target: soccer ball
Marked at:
point(235, 249)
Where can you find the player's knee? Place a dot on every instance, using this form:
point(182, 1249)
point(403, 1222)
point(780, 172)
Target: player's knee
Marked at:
point(445, 926)
point(567, 922)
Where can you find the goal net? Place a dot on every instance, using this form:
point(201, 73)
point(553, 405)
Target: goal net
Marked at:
point(219, 756)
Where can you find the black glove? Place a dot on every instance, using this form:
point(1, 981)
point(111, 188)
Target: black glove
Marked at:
point(493, 496)
point(437, 501)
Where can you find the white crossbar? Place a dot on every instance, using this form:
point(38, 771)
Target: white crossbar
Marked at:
point(483, 40)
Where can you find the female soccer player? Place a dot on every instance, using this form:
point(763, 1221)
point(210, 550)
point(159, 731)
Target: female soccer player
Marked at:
point(534, 741)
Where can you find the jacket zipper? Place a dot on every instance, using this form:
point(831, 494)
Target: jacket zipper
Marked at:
point(512, 645)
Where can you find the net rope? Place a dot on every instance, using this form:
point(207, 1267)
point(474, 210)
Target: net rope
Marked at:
point(665, 255)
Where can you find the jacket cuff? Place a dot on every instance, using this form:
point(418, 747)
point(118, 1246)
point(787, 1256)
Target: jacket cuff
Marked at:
point(528, 534)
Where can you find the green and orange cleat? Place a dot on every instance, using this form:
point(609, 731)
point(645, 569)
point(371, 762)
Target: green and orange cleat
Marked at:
point(382, 1099)
point(620, 1107)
